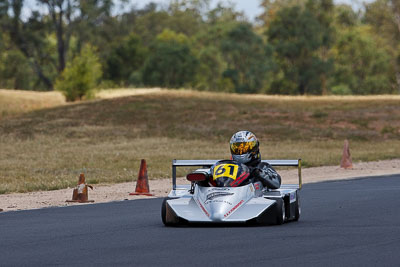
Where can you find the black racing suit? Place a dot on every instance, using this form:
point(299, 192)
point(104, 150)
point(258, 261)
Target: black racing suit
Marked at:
point(263, 172)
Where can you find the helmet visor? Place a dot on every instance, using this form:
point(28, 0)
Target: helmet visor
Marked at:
point(241, 148)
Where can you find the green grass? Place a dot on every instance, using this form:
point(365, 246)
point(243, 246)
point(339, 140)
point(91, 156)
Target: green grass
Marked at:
point(47, 149)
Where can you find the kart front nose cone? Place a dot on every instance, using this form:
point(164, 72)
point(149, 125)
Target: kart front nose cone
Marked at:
point(217, 216)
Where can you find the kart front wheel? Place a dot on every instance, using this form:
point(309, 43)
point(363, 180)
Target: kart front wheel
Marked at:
point(280, 211)
point(168, 217)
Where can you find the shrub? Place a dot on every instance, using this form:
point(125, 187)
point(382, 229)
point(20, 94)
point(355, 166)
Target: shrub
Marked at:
point(341, 89)
point(80, 76)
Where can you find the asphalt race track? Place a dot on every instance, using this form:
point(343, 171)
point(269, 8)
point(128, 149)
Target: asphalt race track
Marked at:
point(343, 223)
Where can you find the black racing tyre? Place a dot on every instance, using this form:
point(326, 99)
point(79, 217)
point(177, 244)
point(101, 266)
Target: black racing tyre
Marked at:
point(297, 207)
point(164, 212)
point(280, 211)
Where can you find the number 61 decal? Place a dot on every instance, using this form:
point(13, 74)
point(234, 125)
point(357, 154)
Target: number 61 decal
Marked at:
point(226, 170)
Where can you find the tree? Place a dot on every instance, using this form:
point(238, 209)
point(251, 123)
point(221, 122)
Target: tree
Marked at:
point(80, 76)
point(186, 16)
point(29, 37)
point(271, 7)
point(63, 20)
point(171, 63)
point(323, 10)
point(224, 14)
point(15, 71)
point(361, 66)
point(93, 23)
point(296, 35)
point(384, 17)
point(126, 57)
point(61, 12)
point(207, 44)
point(209, 72)
point(345, 16)
point(181, 16)
point(247, 64)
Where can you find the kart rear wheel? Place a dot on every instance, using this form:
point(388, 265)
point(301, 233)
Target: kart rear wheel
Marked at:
point(280, 211)
point(297, 207)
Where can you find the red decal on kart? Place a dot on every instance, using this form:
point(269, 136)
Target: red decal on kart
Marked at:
point(234, 208)
point(204, 210)
point(240, 179)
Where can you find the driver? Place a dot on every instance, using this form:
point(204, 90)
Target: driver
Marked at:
point(245, 149)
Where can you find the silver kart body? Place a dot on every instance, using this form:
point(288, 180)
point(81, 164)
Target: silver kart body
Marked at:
point(249, 203)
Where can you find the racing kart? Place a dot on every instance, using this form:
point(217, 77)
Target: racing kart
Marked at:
point(235, 199)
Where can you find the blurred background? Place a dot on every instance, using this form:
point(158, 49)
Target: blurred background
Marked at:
point(175, 79)
point(293, 47)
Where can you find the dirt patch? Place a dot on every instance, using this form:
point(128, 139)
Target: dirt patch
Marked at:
point(161, 187)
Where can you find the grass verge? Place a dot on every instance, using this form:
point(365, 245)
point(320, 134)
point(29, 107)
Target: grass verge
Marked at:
point(47, 149)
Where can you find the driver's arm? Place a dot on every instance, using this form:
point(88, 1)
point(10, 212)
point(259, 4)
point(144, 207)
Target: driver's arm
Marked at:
point(267, 175)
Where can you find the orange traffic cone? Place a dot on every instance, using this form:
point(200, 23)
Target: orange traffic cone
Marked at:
point(142, 184)
point(80, 193)
point(346, 157)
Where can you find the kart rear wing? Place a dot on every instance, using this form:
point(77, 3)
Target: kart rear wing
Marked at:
point(208, 163)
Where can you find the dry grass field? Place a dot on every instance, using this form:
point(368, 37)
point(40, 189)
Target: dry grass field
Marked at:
point(14, 102)
point(47, 148)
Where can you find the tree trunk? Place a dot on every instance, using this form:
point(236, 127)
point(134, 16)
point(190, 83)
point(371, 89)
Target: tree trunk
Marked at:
point(323, 84)
point(58, 25)
point(36, 66)
point(398, 81)
point(302, 89)
point(41, 76)
point(60, 44)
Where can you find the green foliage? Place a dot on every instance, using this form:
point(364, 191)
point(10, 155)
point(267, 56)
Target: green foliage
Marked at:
point(15, 71)
point(271, 7)
point(345, 16)
point(170, 36)
point(148, 25)
point(309, 46)
point(341, 89)
point(80, 76)
point(362, 67)
point(207, 44)
point(295, 34)
point(244, 52)
point(383, 16)
point(171, 62)
point(124, 59)
point(209, 72)
point(181, 17)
